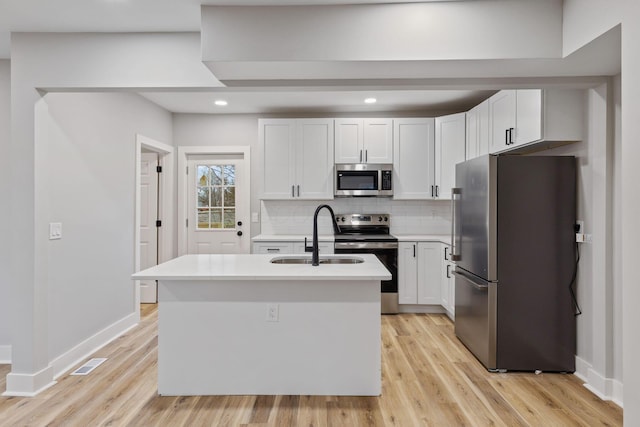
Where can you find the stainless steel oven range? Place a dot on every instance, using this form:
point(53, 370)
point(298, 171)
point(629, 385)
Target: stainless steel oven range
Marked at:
point(369, 233)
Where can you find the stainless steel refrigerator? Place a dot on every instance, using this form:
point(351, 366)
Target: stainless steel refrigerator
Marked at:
point(514, 245)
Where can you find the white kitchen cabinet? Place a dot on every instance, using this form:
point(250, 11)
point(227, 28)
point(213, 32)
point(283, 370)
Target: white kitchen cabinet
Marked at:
point(290, 247)
point(273, 248)
point(324, 248)
point(413, 158)
point(526, 116)
point(408, 272)
point(450, 144)
point(363, 141)
point(447, 288)
point(477, 132)
point(297, 158)
point(419, 273)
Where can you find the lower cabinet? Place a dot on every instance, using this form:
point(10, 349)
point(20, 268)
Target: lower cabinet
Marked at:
point(289, 247)
point(447, 284)
point(425, 275)
point(419, 273)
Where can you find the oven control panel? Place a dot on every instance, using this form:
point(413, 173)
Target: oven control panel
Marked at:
point(363, 219)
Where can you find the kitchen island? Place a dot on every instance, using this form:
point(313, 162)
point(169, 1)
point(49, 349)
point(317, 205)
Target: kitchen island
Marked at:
point(239, 324)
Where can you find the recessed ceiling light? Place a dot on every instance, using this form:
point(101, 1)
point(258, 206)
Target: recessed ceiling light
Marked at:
point(220, 102)
point(370, 101)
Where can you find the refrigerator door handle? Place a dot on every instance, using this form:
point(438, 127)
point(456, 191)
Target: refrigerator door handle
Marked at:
point(455, 193)
point(482, 286)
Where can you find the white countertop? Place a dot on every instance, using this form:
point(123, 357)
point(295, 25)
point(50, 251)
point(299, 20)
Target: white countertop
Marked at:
point(444, 238)
point(258, 267)
point(291, 237)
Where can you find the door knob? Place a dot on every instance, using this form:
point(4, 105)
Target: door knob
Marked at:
point(239, 233)
point(239, 223)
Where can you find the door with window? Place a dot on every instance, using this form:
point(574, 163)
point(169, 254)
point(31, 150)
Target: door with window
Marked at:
point(217, 208)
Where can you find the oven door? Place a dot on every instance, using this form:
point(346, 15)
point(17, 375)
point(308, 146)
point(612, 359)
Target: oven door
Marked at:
point(386, 252)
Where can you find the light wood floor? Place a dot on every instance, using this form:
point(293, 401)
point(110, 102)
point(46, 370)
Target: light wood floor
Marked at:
point(429, 379)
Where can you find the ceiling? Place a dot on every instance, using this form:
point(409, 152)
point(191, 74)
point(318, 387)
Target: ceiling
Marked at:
point(184, 15)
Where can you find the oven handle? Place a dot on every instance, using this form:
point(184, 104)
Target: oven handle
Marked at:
point(365, 245)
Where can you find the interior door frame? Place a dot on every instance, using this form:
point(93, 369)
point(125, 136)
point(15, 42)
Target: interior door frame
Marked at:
point(165, 206)
point(183, 155)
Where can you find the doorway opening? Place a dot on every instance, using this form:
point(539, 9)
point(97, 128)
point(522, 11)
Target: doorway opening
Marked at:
point(154, 212)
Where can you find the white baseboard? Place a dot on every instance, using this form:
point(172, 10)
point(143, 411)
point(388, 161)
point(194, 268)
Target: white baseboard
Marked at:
point(5, 354)
point(28, 385)
point(605, 388)
point(68, 360)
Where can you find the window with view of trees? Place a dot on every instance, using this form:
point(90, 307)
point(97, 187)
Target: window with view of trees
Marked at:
point(216, 192)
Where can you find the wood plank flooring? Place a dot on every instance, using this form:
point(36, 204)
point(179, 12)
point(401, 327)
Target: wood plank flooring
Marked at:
point(429, 379)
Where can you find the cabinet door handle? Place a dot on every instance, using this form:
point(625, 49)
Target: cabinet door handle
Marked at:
point(366, 156)
point(432, 191)
point(360, 156)
point(446, 255)
point(437, 190)
point(293, 194)
point(511, 136)
point(448, 271)
point(298, 190)
point(506, 137)
point(414, 251)
point(273, 249)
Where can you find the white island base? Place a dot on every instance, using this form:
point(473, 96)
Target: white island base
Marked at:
point(293, 335)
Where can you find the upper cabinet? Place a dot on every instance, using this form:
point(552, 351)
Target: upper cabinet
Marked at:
point(478, 131)
point(363, 141)
point(525, 116)
point(297, 158)
point(449, 150)
point(426, 151)
point(413, 158)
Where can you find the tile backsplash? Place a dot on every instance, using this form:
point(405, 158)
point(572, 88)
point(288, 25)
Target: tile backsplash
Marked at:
point(407, 217)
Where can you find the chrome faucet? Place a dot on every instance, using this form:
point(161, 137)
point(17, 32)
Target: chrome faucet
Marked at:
point(315, 256)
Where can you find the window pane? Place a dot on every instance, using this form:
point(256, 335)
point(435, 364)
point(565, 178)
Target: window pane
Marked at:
point(216, 197)
point(216, 218)
point(229, 174)
point(203, 218)
point(230, 196)
point(216, 175)
point(229, 218)
point(203, 175)
point(203, 197)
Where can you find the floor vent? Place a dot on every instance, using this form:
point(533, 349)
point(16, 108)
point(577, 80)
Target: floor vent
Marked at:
point(89, 366)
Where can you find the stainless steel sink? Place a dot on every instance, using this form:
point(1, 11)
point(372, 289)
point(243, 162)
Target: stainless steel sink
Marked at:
point(307, 260)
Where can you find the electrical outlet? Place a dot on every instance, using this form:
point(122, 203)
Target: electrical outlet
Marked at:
point(273, 312)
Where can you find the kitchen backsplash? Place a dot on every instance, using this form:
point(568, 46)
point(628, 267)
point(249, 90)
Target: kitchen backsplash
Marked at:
point(407, 217)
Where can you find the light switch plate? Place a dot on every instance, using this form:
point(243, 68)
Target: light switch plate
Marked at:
point(55, 230)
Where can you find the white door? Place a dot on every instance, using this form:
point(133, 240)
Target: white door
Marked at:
point(217, 205)
point(413, 159)
point(450, 150)
point(378, 141)
point(349, 138)
point(148, 229)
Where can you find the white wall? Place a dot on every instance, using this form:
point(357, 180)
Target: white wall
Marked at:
point(371, 32)
point(5, 136)
point(585, 20)
point(90, 189)
point(630, 207)
point(59, 62)
point(598, 287)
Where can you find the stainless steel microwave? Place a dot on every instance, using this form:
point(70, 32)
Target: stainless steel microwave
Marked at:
point(364, 179)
